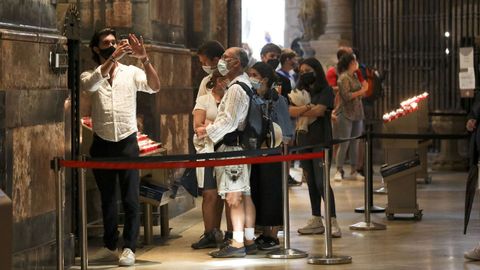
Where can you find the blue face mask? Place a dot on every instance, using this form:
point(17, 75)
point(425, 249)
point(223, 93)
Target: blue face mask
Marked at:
point(222, 67)
point(256, 84)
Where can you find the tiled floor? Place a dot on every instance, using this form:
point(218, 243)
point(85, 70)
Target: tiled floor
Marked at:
point(435, 242)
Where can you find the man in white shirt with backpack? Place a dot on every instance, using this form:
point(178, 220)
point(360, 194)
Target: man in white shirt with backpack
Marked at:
point(225, 132)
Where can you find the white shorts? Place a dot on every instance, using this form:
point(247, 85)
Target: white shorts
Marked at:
point(233, 178)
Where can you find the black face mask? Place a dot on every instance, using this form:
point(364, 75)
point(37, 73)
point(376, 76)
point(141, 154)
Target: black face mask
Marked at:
point(308, 78)
point(106, 53)
point(273, 63)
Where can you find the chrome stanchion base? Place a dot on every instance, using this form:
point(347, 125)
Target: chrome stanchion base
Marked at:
point(373, 209)
point(289, 253)
point(382, 190)
point(371, 226)
point(336, 259)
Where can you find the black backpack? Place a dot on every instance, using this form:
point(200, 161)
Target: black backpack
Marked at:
point(258, 121)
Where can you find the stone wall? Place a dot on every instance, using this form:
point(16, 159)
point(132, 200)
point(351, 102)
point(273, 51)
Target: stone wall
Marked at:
point(35, 109)
point(32, 126)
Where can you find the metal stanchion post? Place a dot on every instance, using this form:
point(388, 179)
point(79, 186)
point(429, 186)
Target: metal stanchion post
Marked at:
point(147, 224)
point(368, 225)
point(286, 252)
point(83, 218)
point(329, 258)
point(60, 195)
point(373, 208)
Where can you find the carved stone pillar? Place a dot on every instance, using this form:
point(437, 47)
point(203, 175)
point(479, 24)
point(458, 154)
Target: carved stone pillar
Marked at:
point(338, 31)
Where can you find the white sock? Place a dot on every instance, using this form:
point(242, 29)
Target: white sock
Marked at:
point(238, 236)
point(249, 233)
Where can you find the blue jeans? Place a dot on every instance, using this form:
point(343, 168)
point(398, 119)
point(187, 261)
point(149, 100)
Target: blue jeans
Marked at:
point(346, 128)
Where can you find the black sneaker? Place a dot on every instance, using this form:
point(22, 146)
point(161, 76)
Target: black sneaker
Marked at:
point(211, 239)
point(251, 249)
point(269, 243)
point(260, 240)
point(229, 252)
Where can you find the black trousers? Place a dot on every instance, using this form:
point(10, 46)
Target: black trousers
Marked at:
point(314, 174)
point(128, 181)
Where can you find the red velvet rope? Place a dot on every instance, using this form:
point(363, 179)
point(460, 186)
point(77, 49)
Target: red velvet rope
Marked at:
point(121, 165)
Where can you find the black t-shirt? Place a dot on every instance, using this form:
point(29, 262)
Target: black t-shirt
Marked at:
point(320, 131)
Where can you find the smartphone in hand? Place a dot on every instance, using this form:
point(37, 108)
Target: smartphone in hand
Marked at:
point(125, 40)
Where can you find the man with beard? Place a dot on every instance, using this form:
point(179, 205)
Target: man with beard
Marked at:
point(113, 87)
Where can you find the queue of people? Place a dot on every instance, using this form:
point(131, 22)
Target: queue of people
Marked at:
point(306, 120)
point(301, 106)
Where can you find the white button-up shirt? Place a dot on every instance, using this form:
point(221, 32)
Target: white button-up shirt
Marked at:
point(232, 111)
point(114, 107)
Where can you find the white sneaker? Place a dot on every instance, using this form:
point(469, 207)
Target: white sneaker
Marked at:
point(357, 176)
point(473, 254)
point(336, 232)
point(105, 255)
point(127, 258)
point(338, 176)
point(314, 226)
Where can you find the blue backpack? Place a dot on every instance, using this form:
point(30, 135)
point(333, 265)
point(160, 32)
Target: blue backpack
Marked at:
point(258, 120)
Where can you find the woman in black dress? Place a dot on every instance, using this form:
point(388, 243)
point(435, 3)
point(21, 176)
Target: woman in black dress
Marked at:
point(266, 179)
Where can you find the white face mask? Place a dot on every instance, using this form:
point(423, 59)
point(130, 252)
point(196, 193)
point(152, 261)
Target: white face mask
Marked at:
point(222, 67)
point(256, 84)
point(208, 69)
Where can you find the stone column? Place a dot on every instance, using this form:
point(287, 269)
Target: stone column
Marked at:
point(338, 31)
point(292, 25)
point(141, 21)
point(32, 129)
point(234, 23)
point(339, 20)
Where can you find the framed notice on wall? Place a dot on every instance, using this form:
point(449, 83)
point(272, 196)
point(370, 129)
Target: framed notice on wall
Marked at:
point(466, 75)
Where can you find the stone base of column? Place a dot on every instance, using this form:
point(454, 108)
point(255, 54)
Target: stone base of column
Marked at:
point(326, 47)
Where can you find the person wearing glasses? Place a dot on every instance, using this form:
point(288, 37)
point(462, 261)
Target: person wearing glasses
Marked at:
point(224, 132)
